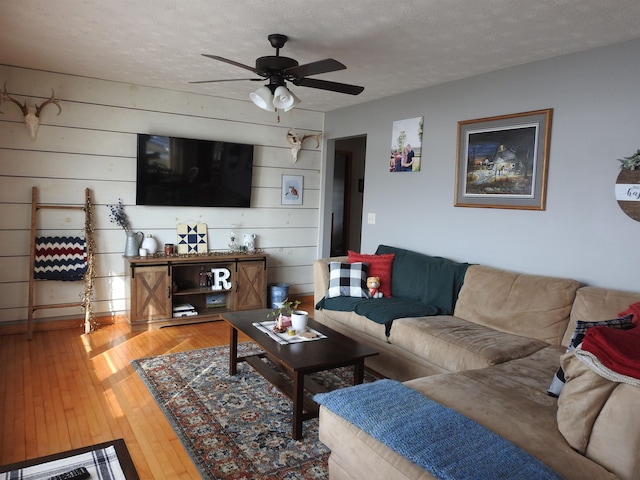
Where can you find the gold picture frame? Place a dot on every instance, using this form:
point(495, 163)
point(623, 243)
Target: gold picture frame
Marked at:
point(503, 161)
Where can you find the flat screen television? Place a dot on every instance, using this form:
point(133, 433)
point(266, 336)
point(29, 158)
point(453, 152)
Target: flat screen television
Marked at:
point(176, 171)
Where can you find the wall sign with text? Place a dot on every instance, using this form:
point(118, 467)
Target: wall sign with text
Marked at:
point(627, 191)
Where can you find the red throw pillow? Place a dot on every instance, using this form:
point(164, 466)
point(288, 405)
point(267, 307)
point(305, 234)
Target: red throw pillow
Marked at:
point(379, 266)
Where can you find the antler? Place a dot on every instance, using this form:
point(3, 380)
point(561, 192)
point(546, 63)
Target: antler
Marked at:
point(5, 97)
point(296, 142)
point(31, 114)
point(309, 135)
point(55, 101)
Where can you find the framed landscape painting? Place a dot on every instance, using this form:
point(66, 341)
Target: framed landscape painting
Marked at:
point(503, 161)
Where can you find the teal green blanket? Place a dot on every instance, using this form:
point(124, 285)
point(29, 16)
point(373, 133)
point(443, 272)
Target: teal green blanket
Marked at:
point(379, 310)
point(438, 439)
point(421, 285)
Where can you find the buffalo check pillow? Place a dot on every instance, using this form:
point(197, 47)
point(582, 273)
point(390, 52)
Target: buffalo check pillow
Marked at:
point(623, 323)
point(348, 280)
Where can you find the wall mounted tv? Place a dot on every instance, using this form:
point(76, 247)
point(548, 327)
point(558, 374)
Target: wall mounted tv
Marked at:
point(176, 171)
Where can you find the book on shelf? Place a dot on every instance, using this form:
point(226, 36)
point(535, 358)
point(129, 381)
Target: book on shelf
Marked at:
point(183, 307)
point(185, 313)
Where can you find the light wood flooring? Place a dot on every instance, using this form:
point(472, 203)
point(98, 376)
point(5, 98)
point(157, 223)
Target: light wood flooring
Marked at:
point(64, 390)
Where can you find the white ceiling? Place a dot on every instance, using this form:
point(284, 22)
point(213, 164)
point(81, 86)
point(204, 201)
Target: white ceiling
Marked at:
point(388, 46)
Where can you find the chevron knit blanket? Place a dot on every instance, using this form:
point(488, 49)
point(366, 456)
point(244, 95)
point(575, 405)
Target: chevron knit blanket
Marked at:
point(442, 441)
point(60, 258)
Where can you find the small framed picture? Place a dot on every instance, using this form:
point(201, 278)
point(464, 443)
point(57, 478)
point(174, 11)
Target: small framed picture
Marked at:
point(292, 189)
point(406, 145)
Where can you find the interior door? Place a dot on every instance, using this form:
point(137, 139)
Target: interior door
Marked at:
point(340, 204)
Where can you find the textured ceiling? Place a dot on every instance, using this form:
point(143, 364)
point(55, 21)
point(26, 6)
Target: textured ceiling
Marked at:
point(388, 46)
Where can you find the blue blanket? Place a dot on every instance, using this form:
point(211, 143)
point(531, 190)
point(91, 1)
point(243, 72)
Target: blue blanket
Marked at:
point(442, 441)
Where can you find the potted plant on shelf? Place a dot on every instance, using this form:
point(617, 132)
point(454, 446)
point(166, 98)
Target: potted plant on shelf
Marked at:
point(282, 314)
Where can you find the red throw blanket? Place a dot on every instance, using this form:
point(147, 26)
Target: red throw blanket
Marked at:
point(618, 350)
point(635, 309)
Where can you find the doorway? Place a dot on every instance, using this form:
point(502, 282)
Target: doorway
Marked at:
point(340, 203)
point(347, 195)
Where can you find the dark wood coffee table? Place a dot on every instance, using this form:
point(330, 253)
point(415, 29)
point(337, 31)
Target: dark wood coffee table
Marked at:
point(296, 359)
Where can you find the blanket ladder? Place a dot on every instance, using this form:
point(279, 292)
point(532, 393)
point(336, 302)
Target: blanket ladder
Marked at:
point(88, 276)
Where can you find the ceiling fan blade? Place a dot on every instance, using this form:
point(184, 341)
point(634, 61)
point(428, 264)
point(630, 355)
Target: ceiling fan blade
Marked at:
point(231, 80)
point(326, 85)
point(231, 62)
point(315, 68)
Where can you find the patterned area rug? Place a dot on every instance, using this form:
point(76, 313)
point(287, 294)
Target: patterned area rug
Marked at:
point(235, 427)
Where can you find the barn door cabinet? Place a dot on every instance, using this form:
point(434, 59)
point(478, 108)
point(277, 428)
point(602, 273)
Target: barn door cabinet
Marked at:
point(176, 290)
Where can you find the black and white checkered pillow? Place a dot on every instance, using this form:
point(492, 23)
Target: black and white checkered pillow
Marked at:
point(622, 323)
point(348, 280)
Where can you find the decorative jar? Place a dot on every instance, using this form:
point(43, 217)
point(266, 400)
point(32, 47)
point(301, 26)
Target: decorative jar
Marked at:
point(150, 244)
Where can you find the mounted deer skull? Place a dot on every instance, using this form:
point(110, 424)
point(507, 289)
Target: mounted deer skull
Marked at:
point(296, 142)
point(31, 113)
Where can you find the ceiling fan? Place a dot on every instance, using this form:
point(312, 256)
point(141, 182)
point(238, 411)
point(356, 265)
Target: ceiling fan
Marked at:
point(278, 70)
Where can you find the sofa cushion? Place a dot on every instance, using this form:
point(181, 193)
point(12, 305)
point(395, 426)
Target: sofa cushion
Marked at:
point(443, 441)
point(595, 303)
point(581, 401)
point(596, 417)
point(529, 305)
point(420, 278)
point(349, 323)
point(456, 344)
point(379, 266)
point(358, 456)
point(348, 279)
point(510, 400)
point(623, 323)
point(379, 310)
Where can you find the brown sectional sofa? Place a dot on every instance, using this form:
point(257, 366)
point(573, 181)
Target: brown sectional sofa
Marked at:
point(492, 360)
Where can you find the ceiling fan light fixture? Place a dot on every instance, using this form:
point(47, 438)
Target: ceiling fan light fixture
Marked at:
point(282, 98)
point(295, 103)
point(263, 98)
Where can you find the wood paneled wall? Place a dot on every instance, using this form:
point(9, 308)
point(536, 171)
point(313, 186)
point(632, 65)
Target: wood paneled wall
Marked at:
point(93, 144)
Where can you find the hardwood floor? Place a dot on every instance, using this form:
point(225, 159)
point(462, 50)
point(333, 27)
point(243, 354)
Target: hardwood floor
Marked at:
point(64, 390)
